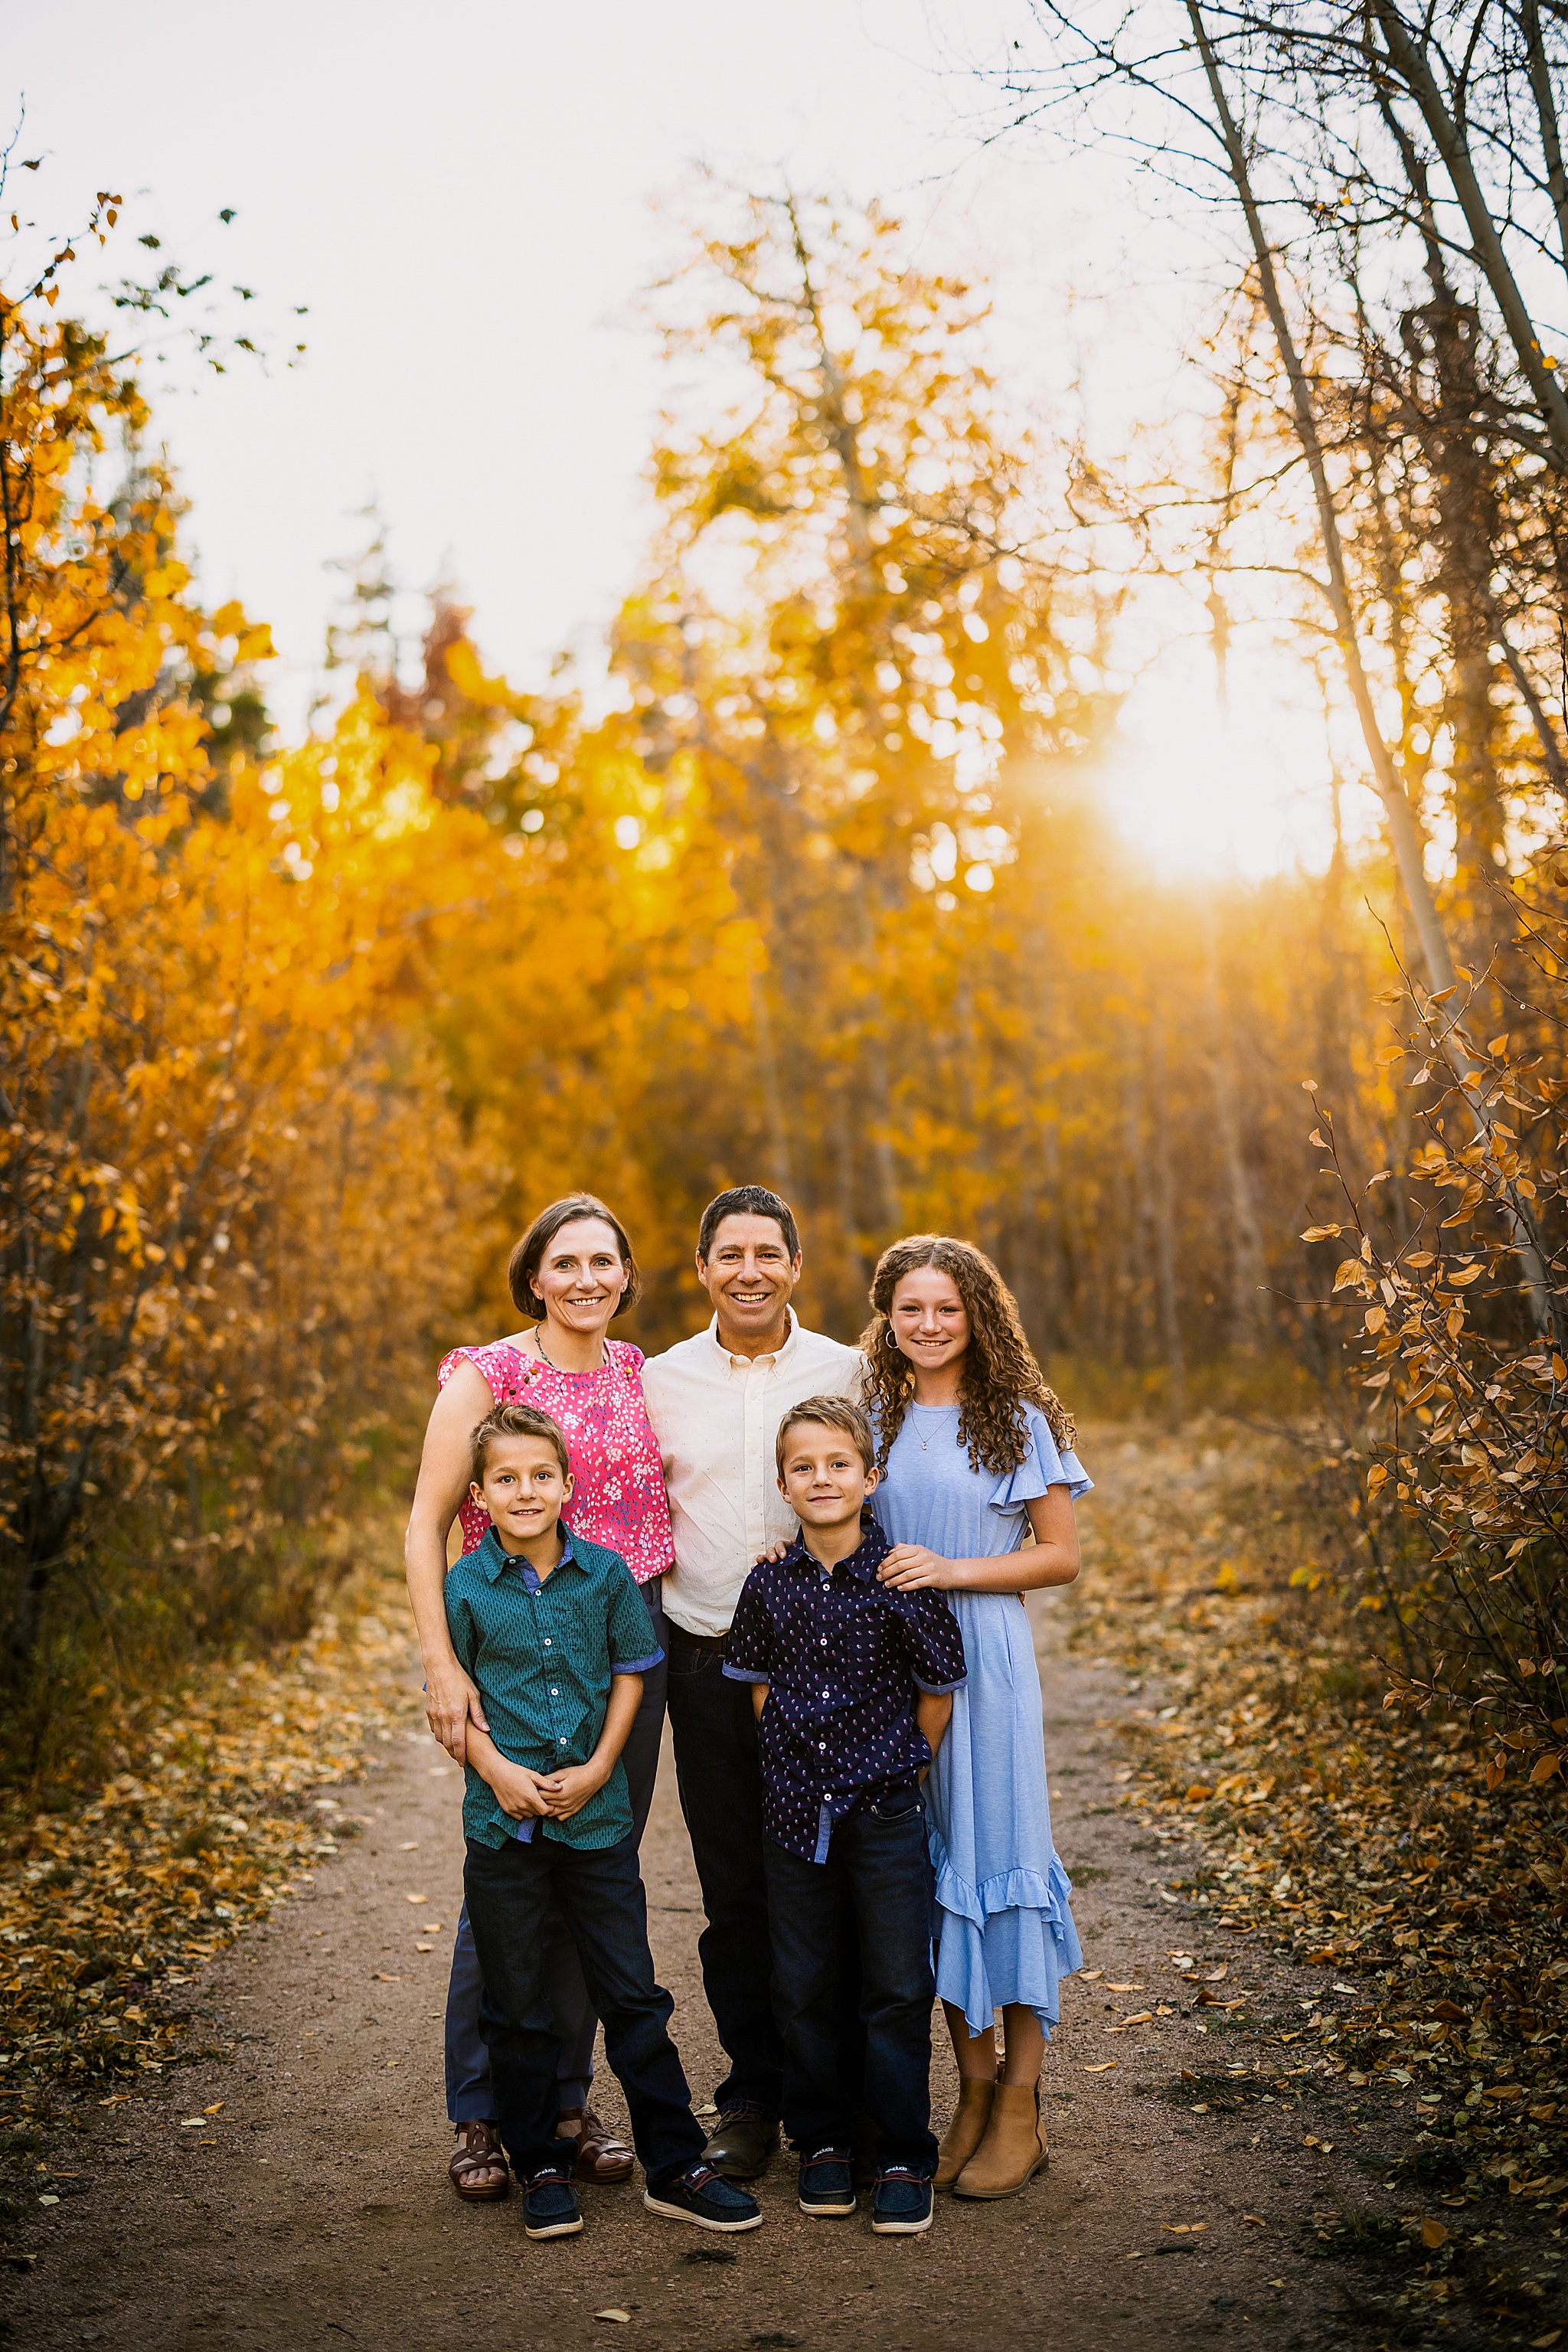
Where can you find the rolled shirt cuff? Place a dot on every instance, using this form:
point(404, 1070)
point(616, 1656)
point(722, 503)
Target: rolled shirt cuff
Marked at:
point(939, 1690)
point(743, 1674)
point(639, 1665)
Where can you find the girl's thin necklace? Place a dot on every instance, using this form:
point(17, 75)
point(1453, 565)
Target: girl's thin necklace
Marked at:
point(925, 1442)
point(555, 1368)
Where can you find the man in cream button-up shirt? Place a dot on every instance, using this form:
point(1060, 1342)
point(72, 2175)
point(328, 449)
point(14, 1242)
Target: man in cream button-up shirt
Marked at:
point(716, 1416)
point(715, 1403)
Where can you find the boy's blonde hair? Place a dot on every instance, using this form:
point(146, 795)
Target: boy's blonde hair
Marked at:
point(829, 1412)
point(517, 1421)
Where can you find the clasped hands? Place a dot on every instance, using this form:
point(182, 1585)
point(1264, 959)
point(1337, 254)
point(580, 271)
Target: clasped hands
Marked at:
point(524, 1795)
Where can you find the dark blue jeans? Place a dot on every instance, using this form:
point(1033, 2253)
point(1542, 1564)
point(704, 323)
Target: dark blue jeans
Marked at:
point(714, 1727)
point(599, 1891)
point(879, 1871)
point(469, 2098)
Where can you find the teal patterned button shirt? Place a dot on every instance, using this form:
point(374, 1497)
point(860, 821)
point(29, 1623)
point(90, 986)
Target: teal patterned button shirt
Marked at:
point(543, 1653)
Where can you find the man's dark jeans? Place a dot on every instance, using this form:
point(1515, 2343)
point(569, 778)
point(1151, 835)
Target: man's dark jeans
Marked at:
point(714, 1729)
point(879, 1871)
point(599, 1892)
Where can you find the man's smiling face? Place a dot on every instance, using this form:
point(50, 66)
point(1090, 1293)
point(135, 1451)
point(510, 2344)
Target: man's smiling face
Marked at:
point(748, 1275)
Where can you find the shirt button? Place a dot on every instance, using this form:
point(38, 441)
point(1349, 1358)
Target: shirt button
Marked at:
point(553, 1692)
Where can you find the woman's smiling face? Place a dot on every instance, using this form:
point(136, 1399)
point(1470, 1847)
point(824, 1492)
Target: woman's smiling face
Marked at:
point(581, 1275)
point(929, 1320)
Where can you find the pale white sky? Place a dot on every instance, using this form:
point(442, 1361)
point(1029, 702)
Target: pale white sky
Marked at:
point(461, 196)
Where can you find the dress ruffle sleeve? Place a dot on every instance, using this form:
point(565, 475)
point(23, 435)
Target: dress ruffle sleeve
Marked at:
point(1043, 1466)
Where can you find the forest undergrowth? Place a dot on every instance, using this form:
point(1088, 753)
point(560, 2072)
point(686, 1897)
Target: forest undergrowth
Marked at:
point(223, 1796)
point(1356, 1838)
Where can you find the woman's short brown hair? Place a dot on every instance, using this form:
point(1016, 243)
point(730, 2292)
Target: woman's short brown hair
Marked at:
point(529, 1255)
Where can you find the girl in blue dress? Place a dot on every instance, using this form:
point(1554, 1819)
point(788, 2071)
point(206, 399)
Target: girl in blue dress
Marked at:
point(973, 1447)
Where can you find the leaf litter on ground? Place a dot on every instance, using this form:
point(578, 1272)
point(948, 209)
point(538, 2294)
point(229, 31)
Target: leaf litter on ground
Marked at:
point(1353, 1839)
point(221, 1811)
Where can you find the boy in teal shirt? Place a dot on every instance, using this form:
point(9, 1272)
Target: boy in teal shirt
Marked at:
point(554, 1633)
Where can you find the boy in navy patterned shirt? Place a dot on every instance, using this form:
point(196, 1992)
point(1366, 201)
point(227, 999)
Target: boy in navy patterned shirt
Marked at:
point(852, 1685)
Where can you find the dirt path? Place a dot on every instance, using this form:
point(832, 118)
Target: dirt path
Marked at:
point(310, 2205)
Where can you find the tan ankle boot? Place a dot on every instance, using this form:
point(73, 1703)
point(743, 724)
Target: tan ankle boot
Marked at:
point(1013, 2148)
point(965, 2132)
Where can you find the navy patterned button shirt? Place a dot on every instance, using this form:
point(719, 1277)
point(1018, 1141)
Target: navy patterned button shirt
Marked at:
point(843, 1658)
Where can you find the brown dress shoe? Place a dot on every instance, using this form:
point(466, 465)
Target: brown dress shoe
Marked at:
point(741, 2144)
point(602, 2159)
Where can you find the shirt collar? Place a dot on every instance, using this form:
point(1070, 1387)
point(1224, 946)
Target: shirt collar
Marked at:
point(742, 1363)
point(861, 1565)
point(494, 1560)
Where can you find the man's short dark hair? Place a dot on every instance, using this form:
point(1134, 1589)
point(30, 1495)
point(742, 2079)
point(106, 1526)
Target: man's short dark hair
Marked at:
point(748, 1201)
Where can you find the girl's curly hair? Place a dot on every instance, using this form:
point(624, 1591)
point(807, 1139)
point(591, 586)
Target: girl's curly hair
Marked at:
point(998, 1373)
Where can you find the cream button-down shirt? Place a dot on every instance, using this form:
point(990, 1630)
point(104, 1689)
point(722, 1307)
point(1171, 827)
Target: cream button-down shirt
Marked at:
point(716, 1417)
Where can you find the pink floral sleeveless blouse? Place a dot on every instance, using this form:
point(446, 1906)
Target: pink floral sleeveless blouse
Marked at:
point(618, 1496)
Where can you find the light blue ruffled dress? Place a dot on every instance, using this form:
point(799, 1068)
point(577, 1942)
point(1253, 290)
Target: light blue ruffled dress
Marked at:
point(1006, 1930)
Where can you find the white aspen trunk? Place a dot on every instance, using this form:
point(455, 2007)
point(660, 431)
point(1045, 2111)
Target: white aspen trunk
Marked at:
point(1404, 831)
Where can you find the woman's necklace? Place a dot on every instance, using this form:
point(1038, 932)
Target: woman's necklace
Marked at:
point(539, 1343)
point(925, 1442)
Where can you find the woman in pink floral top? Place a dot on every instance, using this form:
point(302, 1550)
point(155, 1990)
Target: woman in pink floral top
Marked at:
point(574, 1269)
point(618, 1498)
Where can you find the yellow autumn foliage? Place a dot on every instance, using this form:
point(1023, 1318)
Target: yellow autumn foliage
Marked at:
point(822, 892)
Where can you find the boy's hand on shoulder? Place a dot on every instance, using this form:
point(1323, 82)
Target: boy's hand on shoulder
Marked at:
point(770, 1559)
point(518, 1792)
point(567, 1792)
point(911, 1568)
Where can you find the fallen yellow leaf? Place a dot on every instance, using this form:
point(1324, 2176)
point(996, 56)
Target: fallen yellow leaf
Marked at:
point(613, 2314)
point(1434, 2234)
point(1257, 2220)
point(1105, 2068)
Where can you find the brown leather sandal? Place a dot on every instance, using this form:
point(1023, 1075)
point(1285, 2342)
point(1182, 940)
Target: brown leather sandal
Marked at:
point(479, 2170)
point(602, 2159)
